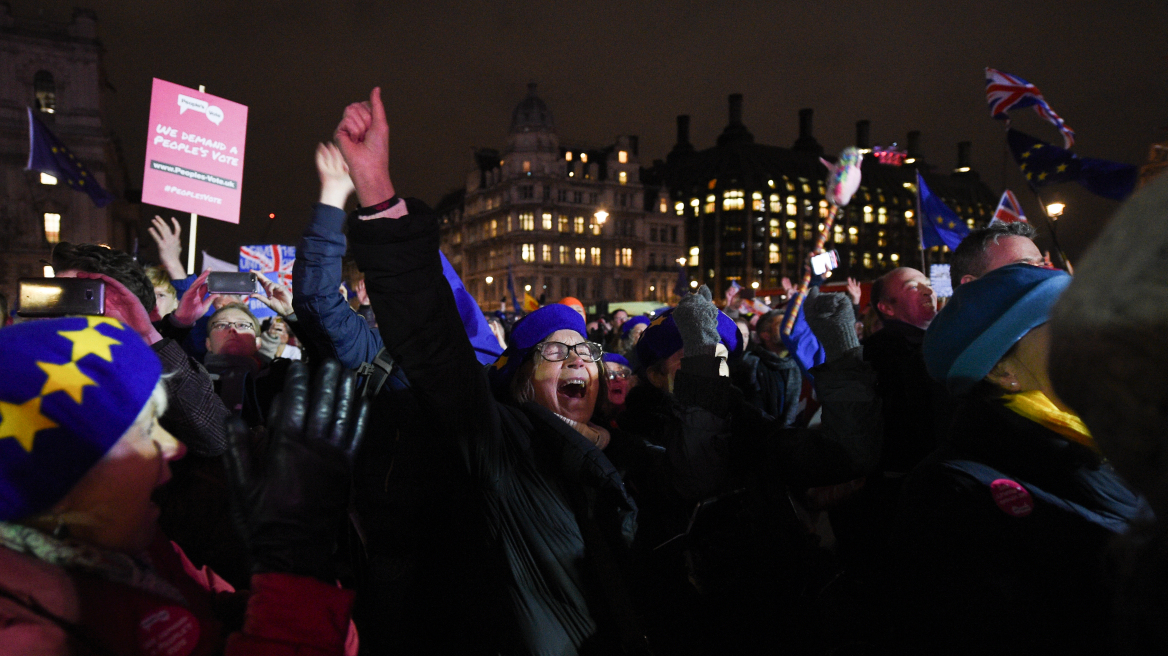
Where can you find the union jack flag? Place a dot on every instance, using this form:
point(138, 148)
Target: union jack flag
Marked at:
point(1006, 92)
point(1009, 211)
point(269, 258)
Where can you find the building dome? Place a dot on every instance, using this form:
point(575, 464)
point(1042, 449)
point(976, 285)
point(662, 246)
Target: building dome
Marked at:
point(532, 114)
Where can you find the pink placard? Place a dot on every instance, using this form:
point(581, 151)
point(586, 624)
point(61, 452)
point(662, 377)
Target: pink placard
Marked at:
point(194, 152)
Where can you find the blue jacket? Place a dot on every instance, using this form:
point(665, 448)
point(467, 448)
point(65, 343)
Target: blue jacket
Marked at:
point(325, 319)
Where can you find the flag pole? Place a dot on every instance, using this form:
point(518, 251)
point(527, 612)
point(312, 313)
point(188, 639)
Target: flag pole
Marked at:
point(194, 228)
point(920, 226)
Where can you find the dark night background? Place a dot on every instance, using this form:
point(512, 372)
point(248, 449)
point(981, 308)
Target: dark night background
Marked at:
point(452, 71)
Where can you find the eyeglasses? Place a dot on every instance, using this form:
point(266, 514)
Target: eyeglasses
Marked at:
point(619, 374)
point(558, 351)
point(241, 326)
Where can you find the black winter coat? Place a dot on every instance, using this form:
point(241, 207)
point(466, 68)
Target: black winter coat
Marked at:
point(1009, 572)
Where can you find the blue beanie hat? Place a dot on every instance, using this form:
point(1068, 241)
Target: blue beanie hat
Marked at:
point(985, 318)
point(71, 388)
point(616, 358)
point(662, 338)
point(529, 331)
point(634, 321)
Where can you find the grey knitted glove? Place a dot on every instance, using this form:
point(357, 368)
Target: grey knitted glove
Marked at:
point(696, 317)
point(833, 322)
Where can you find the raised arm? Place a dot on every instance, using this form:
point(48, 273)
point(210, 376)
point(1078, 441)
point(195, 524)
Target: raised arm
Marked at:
point(324, 318)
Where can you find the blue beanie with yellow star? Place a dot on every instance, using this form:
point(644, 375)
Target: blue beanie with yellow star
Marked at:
point(70, 389)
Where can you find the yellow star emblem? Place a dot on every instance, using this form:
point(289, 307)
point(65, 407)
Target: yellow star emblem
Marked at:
point(659, 320)
point(94, 322)
point(1029, 175)
point(1026, 154)
point(501, 362)
point(66, 378)
point(88, 340)
point(1023, 167)
point(1037, 146)
point(952, 224)
point(23, 421)
point(1042, 176)
point(1061, 168)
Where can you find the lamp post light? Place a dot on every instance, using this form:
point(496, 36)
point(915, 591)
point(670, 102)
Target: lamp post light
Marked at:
point(1055, 210)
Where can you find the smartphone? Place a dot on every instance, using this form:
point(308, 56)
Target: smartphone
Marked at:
point(57, 297)
point(229, 282)
point(824, 262)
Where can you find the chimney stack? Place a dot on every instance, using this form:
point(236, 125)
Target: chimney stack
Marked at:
point(634, 142)
point(862, 134)
point(805, 116)
point(735, 109)
point(912, 144)
point(683, 129)
point(963, 152)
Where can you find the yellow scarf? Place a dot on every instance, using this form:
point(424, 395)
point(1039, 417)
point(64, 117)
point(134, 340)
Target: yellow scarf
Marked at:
point(1036, 407)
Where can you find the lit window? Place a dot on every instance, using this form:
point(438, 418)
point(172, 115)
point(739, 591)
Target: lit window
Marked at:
point(48, 271)
point(790, 225)
point(623, 157)
point(547, 252)
point(579, 224)
point(568, 156)
point(46, 92)
point(47, 179)
point(493, 231)
point(693, 256)
point(581, 255)
point(527, 221)
point(595, 256)
point(969, 222)
point(895, 257)
point(564, 254)
point(792, 210)
point(710, 204)
point(776, 204)
point(526, 167)
point(664, 206)
point(547, 220)
point(774, 254)
point(594, 227)
point(528, 252)
point(52, 227)
point(626, 256)
point(623, 177)
point(733, 200)
point(584, 157)
point(679, 207)
point(867, 260)
point(564, 223)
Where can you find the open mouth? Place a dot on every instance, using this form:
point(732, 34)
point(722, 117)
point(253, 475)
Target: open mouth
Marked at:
point(573, 388)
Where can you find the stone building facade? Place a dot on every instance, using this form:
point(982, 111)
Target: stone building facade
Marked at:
point(54, 68)
point(564, 220)
point(753, 212)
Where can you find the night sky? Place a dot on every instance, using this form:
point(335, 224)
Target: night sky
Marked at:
point(451, 72)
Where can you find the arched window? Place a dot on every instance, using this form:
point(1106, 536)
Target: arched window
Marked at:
point(46, 92)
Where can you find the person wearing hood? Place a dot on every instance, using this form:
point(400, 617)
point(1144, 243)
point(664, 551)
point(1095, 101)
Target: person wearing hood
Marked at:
point(1001, 531)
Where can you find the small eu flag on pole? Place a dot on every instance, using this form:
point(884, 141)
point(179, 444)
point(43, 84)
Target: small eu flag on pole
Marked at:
point(48, 155)
point(940, 226)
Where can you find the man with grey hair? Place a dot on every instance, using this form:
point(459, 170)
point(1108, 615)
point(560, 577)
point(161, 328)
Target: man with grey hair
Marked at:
point(993, 247)
point(1109, 362)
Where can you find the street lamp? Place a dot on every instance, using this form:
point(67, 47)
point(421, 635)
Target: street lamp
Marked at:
point(1055, 210)
point(490, 279)
point(601, 216)
point(754, 285)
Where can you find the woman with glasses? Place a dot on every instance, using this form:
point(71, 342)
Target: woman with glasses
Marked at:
point(543, 512)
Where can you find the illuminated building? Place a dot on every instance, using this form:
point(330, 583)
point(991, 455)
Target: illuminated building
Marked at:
point(568, 220)
point(56, 69)
point(753, 212)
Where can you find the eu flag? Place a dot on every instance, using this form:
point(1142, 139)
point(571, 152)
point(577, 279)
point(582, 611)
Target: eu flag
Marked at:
point(940, 226)
point(48, 155)
point(1044, 164)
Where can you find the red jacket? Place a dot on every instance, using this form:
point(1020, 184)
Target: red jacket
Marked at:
point(285, 614)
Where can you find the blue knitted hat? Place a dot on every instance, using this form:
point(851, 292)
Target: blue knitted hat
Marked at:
point(985, 318)
point(633, 321)
point(616, 358)
point(662, 338)
point(70, 389)
point(529, 331)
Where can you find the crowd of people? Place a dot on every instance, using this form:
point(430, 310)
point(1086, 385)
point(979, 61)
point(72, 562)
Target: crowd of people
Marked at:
point(382, 468)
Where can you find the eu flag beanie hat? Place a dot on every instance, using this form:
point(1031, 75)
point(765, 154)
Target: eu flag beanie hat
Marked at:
point(529, 331)
point(70, 389)
point(662, 338)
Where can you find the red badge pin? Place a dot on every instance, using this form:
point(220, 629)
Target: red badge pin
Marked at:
point(1011, 497)
point(168, 631)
